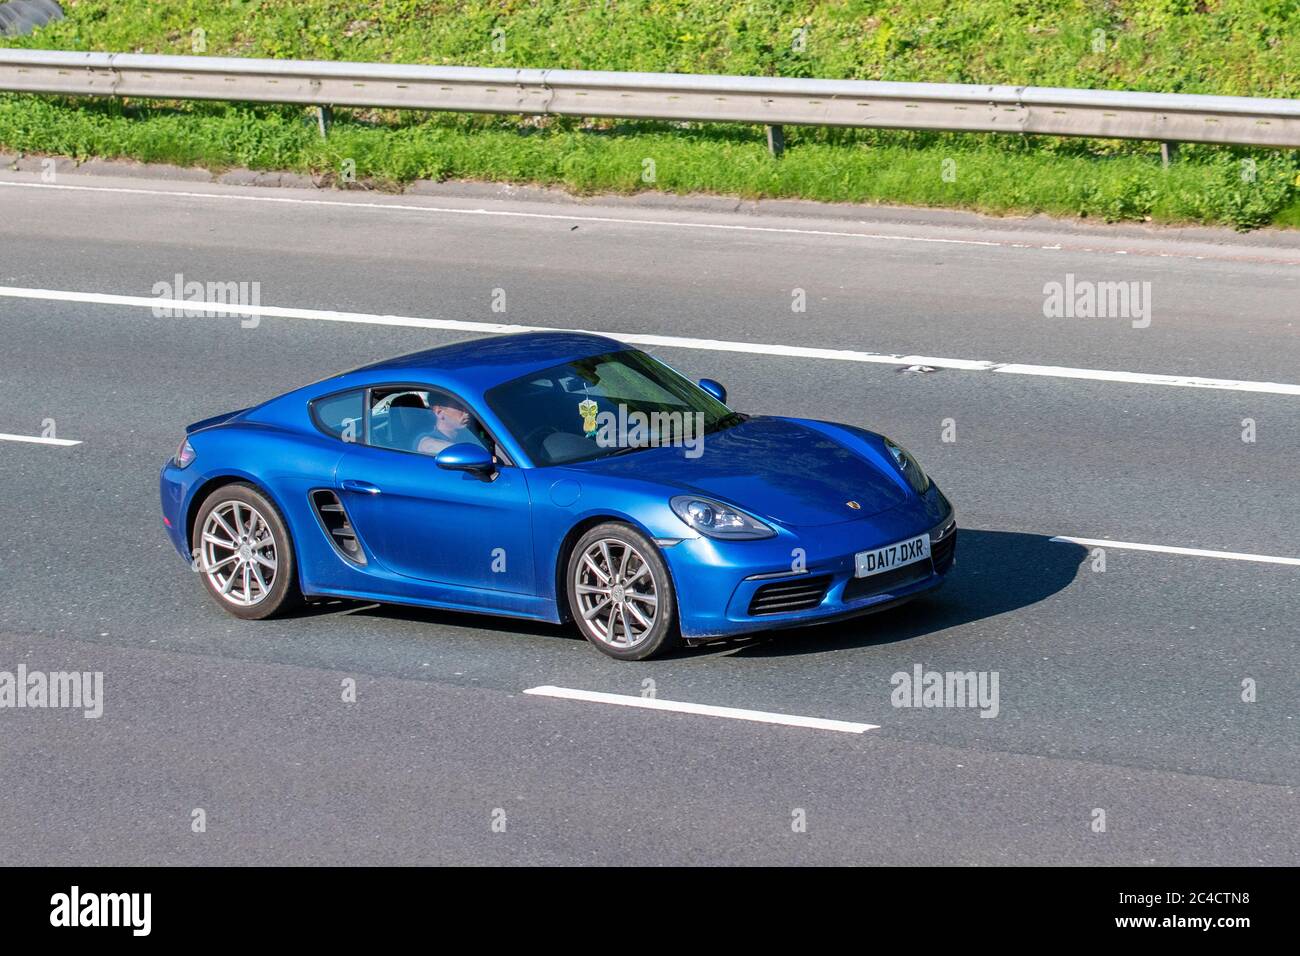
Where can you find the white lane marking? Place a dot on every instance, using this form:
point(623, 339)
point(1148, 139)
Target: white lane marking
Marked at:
point(702, 710)
point(513, 214)
point(36, 440)
point(664, 341)
point(1146, 378)
point(620, 220)
point(283, 312)
point(1168, 549)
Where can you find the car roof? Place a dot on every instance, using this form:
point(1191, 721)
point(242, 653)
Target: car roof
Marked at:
point(468, 369)
point(477, 365)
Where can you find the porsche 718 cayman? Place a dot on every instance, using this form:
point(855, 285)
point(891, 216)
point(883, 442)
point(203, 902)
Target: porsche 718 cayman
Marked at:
point(555, 476)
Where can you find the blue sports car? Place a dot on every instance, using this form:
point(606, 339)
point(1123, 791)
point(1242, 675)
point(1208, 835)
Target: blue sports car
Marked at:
point(555, 476)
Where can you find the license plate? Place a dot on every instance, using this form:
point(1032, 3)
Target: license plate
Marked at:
point(867, 563)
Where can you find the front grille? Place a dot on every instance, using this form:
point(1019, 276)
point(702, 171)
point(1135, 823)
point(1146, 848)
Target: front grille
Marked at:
point(943, 553)
point(886, 581)
point(783, 597)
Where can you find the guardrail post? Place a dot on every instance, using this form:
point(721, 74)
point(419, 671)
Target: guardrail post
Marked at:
point(324, 119)
point(775, 140)
point(1168, 153)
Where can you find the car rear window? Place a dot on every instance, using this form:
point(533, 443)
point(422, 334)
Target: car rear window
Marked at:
point(340, 415)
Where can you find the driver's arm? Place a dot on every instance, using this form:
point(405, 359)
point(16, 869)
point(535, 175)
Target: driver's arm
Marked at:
point(431, 444)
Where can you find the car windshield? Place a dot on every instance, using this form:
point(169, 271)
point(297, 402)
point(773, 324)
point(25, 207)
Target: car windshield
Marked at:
point(606, 405)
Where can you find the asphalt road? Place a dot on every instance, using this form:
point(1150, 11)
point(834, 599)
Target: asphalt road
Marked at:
point(1120, 690)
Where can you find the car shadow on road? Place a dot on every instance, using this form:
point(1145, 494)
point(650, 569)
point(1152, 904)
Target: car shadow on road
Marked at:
point(432, 615)
point(996, 572)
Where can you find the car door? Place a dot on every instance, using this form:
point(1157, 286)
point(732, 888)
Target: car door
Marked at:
point(426, 523)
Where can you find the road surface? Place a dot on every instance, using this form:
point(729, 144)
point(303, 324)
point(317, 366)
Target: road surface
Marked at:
point(1120, 690)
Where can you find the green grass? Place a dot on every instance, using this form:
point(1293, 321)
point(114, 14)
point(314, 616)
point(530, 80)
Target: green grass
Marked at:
point(1289, 216)
point(1247, 47)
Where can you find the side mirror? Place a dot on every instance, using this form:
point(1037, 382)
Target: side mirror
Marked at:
point(715, 389)
point(466, 456)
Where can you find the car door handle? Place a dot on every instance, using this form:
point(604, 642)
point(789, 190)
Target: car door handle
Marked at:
point(364, 487)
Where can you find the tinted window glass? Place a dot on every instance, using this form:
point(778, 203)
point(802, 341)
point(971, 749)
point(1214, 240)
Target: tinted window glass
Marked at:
point(422, 420)
point(576, 412)
point(340, 415)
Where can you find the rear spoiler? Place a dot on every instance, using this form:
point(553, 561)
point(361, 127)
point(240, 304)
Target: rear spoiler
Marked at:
point(214, 420)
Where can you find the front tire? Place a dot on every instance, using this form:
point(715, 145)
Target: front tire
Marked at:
point(620, 593)
point(244, 554)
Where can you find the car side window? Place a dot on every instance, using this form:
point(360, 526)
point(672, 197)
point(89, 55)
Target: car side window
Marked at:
point(424, 421)
point(341, 415)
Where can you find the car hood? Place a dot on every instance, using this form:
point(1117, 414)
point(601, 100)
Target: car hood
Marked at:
point(773, 467)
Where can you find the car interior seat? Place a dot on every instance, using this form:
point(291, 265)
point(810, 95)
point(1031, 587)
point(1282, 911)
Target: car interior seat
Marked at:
point(408, 421)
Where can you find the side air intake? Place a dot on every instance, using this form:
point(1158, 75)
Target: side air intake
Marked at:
point(337, 525)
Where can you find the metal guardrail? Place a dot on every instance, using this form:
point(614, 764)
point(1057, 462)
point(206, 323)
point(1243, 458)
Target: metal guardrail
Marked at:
point(771, 101)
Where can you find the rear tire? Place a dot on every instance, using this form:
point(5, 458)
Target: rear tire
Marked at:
point(620, 593)
point(244, 553)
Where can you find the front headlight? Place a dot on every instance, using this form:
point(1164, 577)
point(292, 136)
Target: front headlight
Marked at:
point(716, 520)
point(910, 467)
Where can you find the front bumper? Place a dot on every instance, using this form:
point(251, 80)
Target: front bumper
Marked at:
point(728, 588)
point(175, 485)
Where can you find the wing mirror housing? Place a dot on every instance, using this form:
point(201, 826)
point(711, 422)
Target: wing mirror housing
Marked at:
point(715, 389)
point(466, 456)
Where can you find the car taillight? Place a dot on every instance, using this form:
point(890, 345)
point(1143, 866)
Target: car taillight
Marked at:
point(184, 454)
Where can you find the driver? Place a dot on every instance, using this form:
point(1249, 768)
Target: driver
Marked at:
point(454, 425)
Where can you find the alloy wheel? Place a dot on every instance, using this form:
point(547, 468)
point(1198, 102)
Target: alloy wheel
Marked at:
point(238, 553)
point(618, 600)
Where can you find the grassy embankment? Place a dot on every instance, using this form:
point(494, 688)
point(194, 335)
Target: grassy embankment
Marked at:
point(1242, 47)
